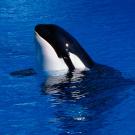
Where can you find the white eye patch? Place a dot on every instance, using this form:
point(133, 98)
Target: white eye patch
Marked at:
point(76, 61)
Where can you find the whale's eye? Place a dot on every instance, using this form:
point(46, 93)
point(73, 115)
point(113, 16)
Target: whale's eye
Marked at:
point(67, 45)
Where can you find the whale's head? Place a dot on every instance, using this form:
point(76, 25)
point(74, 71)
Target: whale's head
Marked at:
point(58, 50)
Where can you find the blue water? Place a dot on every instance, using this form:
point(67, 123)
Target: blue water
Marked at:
point(79, 103)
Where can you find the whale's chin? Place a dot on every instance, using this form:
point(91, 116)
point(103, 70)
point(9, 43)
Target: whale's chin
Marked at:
point(56, 72)
point(64, 72)
point(47, 57)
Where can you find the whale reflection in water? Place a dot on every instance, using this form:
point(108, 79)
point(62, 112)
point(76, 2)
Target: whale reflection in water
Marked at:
point(83, 83)
point(82, 98)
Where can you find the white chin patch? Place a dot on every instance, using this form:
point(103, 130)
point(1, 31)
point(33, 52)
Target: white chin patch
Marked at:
point(78, 64)
point(48, 57)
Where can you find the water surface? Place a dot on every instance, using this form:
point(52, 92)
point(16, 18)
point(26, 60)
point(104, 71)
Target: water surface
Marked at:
point(78, 103)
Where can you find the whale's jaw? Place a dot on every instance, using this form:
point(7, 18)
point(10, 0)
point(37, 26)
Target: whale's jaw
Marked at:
point(47, 57)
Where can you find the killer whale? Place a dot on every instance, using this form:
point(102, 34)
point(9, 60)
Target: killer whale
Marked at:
point(58, 50)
